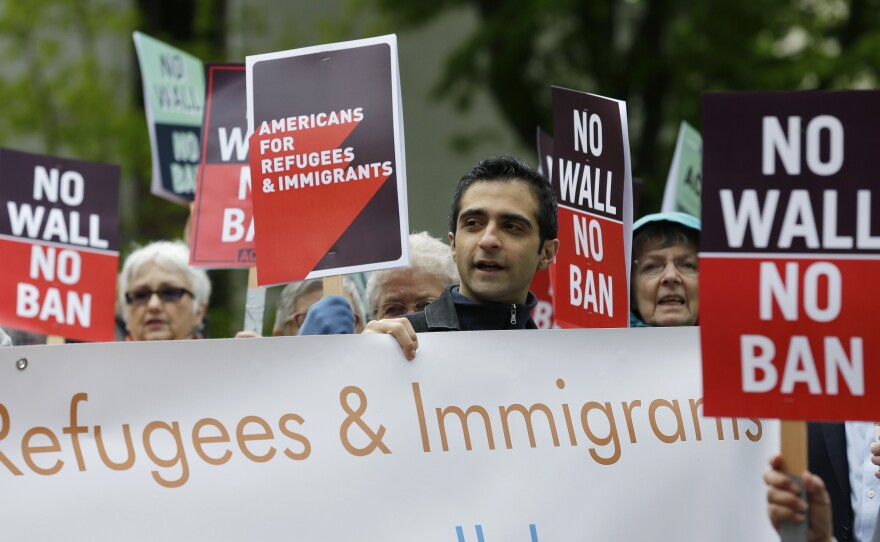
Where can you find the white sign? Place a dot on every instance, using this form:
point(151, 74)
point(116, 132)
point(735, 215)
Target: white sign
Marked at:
point(569, 435)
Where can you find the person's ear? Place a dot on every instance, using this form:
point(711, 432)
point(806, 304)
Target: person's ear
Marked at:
point(200, 315)
point(452, 245)
point(548, 252)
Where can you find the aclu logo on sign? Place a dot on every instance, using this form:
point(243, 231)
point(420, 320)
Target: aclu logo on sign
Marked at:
point(247, 255)
point(533, 532)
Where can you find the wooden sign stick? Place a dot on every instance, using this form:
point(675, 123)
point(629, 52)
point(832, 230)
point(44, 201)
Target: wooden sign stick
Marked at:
point(55, 339)
point(333, 285)
point(793, 445)
point(255, 304)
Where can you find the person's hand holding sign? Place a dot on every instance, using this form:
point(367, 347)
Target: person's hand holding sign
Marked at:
point(875, 457)
point(399, 328)
point(784, 504)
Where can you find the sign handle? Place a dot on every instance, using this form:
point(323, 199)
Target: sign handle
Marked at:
point(793, 443)
point(333, 285)
point(255, 304)
point(794, 446)
point(55, 339)
point(187, 228)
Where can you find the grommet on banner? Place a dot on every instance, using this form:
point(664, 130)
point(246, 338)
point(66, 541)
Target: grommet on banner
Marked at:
point(21, 364)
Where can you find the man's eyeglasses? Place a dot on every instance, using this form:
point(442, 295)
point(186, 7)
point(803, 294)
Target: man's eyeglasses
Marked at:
point(654, 267)
point(394, 309)
point(168, 294)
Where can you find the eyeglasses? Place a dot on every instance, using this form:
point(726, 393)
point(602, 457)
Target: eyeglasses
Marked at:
point(168, 294)
point(654, 267)
point(395, 309)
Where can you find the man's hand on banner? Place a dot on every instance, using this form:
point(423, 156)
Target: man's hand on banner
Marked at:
point(401, 329)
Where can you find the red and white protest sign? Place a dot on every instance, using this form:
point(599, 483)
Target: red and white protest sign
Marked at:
point(326, 156)
point(593, 184)
point(58, 237)
point(542, 314)
point(223, 225)
point(790, 252)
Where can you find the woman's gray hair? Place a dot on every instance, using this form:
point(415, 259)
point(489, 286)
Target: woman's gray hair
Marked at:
point(357, 296)
point(657, 235)
point(427, 254)
point(173, 255)
point(293, 291)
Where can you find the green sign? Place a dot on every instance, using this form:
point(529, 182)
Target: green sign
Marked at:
point(174, 97)
point(685, 174)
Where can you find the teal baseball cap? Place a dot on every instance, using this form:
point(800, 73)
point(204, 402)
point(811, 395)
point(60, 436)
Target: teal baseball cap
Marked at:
point(688, 221)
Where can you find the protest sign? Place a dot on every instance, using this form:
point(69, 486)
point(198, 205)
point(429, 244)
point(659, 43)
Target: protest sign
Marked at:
point(790, 252)
point(223, 226)
point(326, 160)
point(58, 237)
point(511, 434)
point(541, 286)
point(174, 94)
point(593, 185)
point(682, 192)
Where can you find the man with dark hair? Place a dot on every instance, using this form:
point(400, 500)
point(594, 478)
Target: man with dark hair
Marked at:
point(506, 168)
point(503, 228)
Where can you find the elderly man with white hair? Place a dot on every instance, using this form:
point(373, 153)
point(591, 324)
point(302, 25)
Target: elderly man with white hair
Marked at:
point(163, 298)
point(393, 292)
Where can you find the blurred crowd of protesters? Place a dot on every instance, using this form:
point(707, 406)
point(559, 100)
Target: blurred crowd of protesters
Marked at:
point(503, 229)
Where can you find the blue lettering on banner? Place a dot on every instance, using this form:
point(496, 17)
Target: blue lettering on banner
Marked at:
point(533, 532)
point(460, 533)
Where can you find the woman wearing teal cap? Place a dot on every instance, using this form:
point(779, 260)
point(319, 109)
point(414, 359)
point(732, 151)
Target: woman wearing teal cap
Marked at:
point(665, 271)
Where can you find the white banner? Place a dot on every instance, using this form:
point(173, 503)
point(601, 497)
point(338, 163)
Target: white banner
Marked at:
point(340, 439)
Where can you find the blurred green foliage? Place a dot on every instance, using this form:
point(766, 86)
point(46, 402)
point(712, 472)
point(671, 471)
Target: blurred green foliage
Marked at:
point(657, 55)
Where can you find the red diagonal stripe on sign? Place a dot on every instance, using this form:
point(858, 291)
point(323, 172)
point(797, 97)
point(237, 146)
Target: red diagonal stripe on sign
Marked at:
point(298, 216)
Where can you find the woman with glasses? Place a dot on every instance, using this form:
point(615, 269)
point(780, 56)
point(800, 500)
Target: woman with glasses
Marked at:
point(395, 292)
point(665, 271)
point(392, 292)
point(163, 298)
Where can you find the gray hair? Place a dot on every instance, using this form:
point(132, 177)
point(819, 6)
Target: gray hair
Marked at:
point(293, 291)
point(656, 235)
point(172, 255)
point(427, 254)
